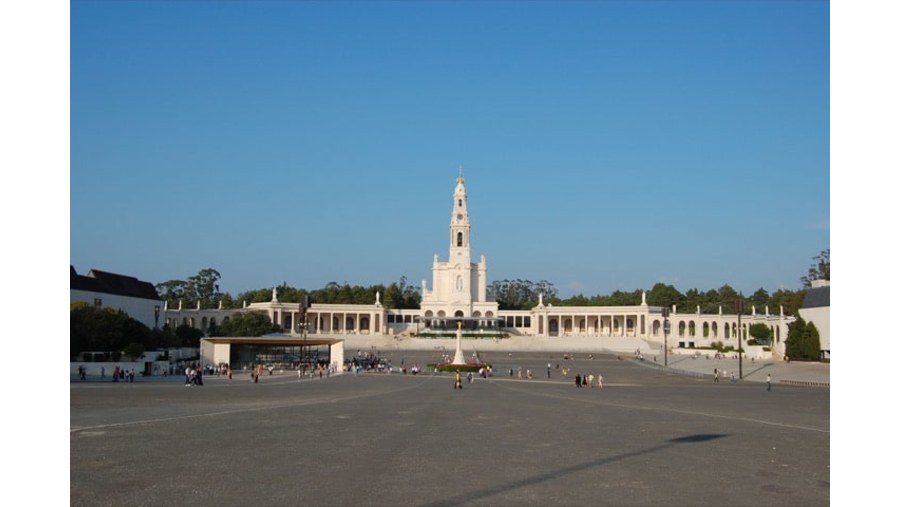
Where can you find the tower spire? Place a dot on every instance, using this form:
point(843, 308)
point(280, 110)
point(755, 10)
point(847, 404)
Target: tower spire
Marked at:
point(460, 178)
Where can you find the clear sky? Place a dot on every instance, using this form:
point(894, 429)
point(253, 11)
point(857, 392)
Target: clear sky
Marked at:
point(611, 145)
point(605, 145)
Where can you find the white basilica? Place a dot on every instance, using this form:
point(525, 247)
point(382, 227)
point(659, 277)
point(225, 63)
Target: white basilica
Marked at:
point(459, 286)
point(458, 293)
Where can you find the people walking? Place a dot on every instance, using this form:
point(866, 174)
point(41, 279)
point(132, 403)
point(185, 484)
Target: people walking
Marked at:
point(716, 375)
point(457, 383)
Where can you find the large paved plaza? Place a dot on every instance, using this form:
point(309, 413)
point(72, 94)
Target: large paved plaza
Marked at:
point(647, 438)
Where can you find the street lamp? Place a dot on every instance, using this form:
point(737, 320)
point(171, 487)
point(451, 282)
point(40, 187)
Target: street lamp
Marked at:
point(305, 303)
point(665, 314)
point(155, 316)
point(739, 306)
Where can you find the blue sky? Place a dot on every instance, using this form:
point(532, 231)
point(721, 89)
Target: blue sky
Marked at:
point(605, 145)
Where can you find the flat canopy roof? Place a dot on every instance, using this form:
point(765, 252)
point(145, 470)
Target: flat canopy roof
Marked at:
point(272, 340)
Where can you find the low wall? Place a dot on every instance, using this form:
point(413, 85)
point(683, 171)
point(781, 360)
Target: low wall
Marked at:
point(106, 368)
point(616, 344)
point(750, 351)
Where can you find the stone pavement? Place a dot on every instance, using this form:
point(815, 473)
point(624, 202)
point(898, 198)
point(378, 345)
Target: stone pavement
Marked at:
point(794, 373)
point(649, 437)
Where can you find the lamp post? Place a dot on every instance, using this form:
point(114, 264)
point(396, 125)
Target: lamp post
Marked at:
point(665, 314)
point(155, 316)
point(739, 306)
point(304, 315)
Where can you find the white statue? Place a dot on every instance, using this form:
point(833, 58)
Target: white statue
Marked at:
point(274, 294)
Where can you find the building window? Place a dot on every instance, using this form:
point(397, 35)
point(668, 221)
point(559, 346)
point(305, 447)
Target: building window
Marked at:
point(98, 302)
point(459, 239)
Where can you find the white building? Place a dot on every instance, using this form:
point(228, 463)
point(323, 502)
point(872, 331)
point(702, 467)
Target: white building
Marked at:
point(459, 286)
point(108, 290)
point(458, 292)
point(816, 308)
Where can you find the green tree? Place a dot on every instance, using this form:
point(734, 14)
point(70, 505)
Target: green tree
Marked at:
point(803, 341)
point(247, 324)
point(188, 336)
point(202, 287)
point(411, 295)
point(522, 294)
point(103, 329)
point(760, 298)
point(171, 290)
point(813, 346)
point(134, 350)
point(227, 301)
point(664, 295)
point(760, 332)
point(820, 270)
point(393, 298)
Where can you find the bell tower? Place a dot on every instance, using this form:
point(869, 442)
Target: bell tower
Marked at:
point(460, 252)
point(459, 287)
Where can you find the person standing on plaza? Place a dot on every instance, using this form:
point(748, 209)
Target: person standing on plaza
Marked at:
point(577, 380)
point(548, 370)
point(716, 375)
point(590, 380)
point(600, 381)
point(457, 381)
point(768, 381)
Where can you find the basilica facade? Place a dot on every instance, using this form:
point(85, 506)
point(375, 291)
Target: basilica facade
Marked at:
point(458, 297)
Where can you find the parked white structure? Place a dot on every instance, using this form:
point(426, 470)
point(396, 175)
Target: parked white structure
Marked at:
point(459, 293)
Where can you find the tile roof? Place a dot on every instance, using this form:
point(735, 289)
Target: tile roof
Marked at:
point(817, 297)
point(111, 283)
